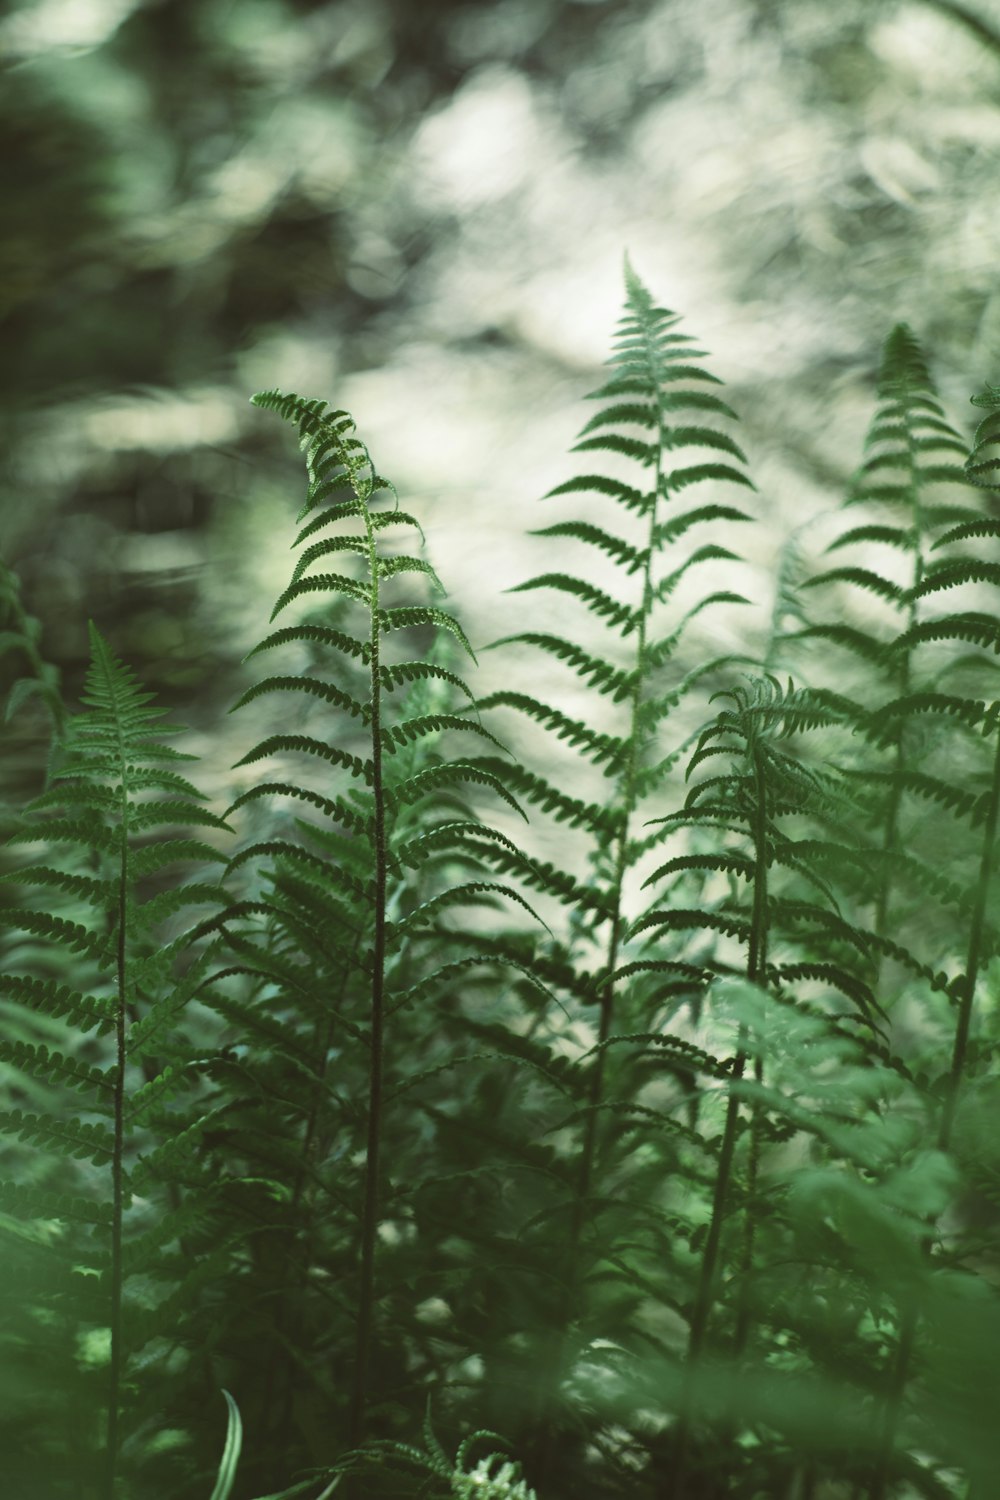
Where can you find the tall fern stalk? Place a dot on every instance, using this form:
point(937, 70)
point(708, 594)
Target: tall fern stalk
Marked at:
point(756, 966)
point(651, 381)
point(337, 459)
point(347, 885)
point(642, 323)
point(108, 789)
point(117, 1168)
point(369, 1212)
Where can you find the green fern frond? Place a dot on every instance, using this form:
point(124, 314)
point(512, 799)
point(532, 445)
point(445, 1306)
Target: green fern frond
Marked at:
point(851, 637)
point(406, 731)
point(74, 1137)
point(355, 818)
point(983, 462)
point(28, 1202)
point(430, 779)
point(862, 578)
point(900, 537)
point(951, 575)
point(113, 784)
point(313, 635)
point(538, 791)
point(614, 547)
point(326, 692)
point(469, 892)
point(49, 997)
point(403, 673)
point(584, 664)
point(597, 746)
point(405, 616)
point(596, 600)
point(975, 528)
point(304, 744)
point(972, 713)
point(976, 629)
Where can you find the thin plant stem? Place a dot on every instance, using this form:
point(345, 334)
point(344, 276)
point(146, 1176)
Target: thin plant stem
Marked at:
point(117, 1168)
point(370, 1206)
point(708, 1273)
point(595, 1091)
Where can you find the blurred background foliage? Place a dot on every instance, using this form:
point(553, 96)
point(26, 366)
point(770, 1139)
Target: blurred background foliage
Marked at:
point(418, 211)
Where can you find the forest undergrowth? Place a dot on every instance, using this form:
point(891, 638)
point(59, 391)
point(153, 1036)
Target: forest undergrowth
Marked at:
point(354, 1145)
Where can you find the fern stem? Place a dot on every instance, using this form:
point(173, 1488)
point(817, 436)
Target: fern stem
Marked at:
point(750, 1223)
point(370, 1207)
point(756, 966)
point(628, 803)
point(890, 830)
point(595, 1092)
point(117, 1168)
point(708, 1273)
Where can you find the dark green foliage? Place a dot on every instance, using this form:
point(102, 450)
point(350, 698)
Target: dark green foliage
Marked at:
point(688, 1191)
point(126, 1061)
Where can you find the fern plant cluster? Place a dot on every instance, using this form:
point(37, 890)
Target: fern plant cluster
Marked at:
point(663, 1166)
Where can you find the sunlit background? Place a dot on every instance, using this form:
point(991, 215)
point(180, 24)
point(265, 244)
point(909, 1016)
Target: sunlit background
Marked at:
point(419, 211)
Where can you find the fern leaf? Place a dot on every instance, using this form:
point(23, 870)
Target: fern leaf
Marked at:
point(976, 528)
point(404, 616)
point(307, 745)
point(592, 669)
point(539, 791)
point(864, 578)
point(677, 526)
point(28, 1202)
point(322, 583)
point(327, 692)
point(952, 575)
point(356, 819)
point(594, 599)
point(614, 547)
point(585, 484)
point(405, 731)
point(314, 635)
point(470, 892)
point(47, 997)
point(431, 778)
point(39, 1062)
point(145, 1102)
point(69, 1137)
point(983, 462)
point(397, 674)
point(849, 636)
point(597, 746)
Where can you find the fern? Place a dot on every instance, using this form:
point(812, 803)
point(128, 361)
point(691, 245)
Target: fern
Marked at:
point(763, 781)
point(911, 452)
point(692, 1191)
point(359, 892)
point(113, 778)
point(658, 410)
